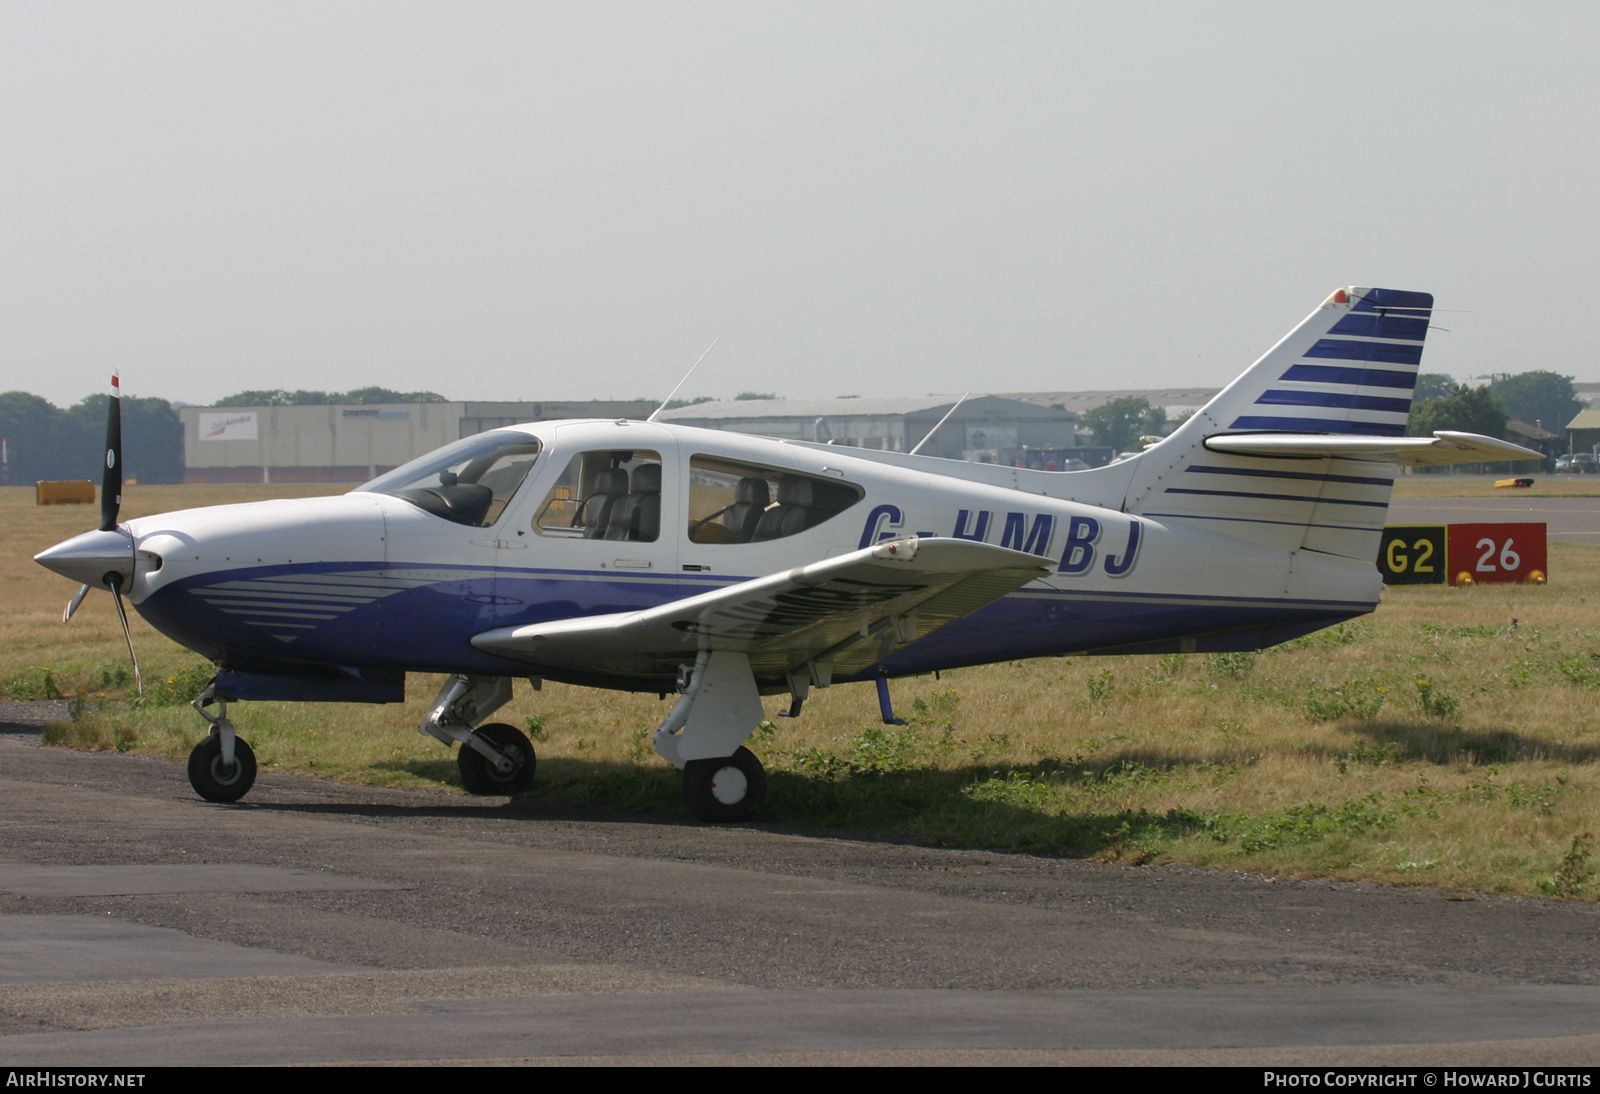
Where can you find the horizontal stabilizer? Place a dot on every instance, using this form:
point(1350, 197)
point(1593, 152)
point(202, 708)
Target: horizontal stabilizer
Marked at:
point(1444, 447)
point(896, 592)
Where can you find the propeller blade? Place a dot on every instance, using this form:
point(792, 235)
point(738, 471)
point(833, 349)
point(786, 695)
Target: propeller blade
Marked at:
point(72, 605)
point(122, 614)
point(111, 482)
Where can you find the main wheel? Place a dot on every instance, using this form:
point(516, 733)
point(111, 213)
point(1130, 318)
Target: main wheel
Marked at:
point(725, 789)
point(479, 776)
point(215, 781)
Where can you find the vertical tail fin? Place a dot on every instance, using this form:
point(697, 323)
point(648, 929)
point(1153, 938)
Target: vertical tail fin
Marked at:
point(1350, 368)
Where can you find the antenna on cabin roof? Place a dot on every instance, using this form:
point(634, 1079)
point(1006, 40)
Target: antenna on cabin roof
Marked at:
point(940, 422)
point(683, 381)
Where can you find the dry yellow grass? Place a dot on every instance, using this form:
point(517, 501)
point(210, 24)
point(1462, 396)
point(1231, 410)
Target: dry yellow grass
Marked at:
point(1324, 757)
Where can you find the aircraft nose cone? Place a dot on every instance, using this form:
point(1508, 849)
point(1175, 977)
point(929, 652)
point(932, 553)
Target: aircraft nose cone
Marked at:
point(88, 558)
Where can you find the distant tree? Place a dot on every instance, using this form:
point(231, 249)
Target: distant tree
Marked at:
point(44, 442)
point(1540, 396)
point(747, 395)
point(1433, 385)
point(674, 404)
point(152, 439)
point(361, 395)
point(274, 397)
point(386, 395)
point(33, 429)
point(1121, 422)
point(1467, 410)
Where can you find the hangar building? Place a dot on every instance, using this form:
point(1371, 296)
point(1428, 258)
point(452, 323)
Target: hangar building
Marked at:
point(984, 428)
point(342, 443)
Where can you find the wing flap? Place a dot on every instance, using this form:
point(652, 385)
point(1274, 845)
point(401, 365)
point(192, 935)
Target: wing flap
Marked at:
point(852, 609)
point(1444, 447)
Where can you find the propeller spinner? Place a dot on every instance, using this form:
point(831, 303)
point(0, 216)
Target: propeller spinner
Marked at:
point(104, 557)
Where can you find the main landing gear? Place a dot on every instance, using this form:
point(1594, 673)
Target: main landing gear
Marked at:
point(725, 789)
point(703, 736)
point(480, 775)
point(222, 768)
point(496, 758)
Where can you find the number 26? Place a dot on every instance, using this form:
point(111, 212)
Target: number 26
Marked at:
point(1509, 559)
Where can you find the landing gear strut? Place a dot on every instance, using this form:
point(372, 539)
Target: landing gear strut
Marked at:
point(497, 759)
point(722, 780)
point(222, 768)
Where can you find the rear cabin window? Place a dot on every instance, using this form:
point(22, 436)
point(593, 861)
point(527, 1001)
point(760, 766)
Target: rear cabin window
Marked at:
point(607, 494)
point(733, 502)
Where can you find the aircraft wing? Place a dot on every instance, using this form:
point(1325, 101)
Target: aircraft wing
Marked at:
point(850, 610)
point(1444, 447)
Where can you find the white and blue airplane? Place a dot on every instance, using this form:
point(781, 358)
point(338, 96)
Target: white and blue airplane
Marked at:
point(645, 556)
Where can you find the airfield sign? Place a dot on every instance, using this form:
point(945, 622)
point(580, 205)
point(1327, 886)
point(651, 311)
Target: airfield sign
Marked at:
point(1463, 554)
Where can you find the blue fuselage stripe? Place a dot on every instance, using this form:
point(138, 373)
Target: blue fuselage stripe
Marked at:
point(1355, 377)
point(1308, 476)
point(1313, 500)
point(1262, 520)
point(1344, 349)
point(430, 628)
point(1318, 425)
point(1372, 325)
point(1390, 299)
point(1338, 399)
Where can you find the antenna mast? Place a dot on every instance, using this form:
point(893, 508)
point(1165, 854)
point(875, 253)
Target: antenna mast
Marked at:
point(683, 381)
point(935, 429)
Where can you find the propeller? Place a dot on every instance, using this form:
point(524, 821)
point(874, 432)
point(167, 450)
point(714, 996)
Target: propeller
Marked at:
point(72, 605)
point(115, 581)
point(111, 478)
point(101, 555)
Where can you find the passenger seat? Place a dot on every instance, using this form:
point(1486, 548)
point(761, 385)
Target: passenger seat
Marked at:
point(792, 513)
point(610, 487)
point(638, 516)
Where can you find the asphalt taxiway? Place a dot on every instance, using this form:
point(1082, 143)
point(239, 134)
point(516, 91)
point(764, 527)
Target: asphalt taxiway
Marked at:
point(1572, 520)
point(318, 923)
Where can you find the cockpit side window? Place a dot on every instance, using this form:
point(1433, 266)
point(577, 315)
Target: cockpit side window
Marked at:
point(735, 502)
point(468, 482)
point(608, 494)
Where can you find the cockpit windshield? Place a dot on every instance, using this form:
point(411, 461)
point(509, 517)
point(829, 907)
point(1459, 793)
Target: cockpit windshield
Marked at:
point(468, 482)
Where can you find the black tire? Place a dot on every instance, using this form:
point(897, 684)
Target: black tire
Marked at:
point(479, 776)
point(211, 780)
point(726, 789)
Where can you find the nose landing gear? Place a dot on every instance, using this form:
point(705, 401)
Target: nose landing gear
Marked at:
point(216, 781)
point(222, 768)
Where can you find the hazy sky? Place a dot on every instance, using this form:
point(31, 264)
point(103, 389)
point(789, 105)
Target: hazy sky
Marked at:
point(546, 201)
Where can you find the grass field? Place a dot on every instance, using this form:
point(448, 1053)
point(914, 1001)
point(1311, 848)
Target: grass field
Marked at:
point(1449, 740)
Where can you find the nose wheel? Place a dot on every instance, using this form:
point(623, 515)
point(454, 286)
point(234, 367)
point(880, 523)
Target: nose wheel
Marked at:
point(729, 788)
point(216, 781)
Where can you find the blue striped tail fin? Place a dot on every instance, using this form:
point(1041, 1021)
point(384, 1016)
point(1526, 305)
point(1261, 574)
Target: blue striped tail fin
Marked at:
point(1348, 370)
